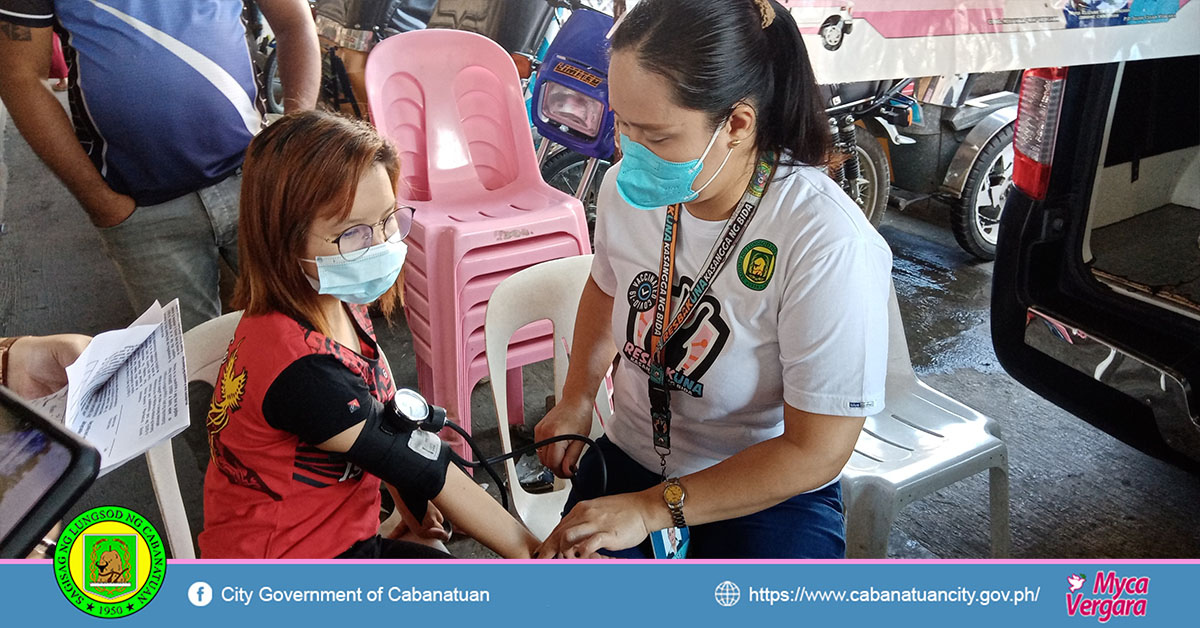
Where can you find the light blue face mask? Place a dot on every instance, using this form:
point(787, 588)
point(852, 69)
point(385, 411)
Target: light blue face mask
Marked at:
point(360, 280)
point(647, 181)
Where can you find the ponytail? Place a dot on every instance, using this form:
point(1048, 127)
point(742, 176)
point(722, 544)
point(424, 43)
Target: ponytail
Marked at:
point(795, 122)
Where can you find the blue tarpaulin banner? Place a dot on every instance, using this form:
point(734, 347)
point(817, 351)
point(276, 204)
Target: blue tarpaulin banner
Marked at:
point(636, 593)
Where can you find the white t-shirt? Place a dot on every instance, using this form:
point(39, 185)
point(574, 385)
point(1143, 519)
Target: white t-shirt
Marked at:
point(797, 315)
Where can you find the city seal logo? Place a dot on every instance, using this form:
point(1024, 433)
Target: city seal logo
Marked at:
point(756, 264)
point(110, 562)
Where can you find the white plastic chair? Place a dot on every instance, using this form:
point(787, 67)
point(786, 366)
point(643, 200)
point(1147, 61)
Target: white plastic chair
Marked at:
point(204, 349)
point(921, 442)
point(547, 291)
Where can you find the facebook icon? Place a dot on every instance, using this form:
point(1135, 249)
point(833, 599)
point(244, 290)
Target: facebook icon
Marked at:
point(200, 594)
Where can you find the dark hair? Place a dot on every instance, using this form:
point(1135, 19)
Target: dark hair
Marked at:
point(717, 54)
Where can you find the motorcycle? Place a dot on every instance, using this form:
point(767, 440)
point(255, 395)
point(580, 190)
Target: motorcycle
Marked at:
point(569, 104)
point(858, 162)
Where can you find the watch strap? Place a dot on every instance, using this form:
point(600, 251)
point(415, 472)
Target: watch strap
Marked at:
point(5, 345)
point(676, 508)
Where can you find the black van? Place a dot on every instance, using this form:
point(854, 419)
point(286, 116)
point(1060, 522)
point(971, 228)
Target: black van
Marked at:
point(1096, 293)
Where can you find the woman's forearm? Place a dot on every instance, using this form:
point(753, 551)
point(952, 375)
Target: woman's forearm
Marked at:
point(480, 517)
point(760, 476)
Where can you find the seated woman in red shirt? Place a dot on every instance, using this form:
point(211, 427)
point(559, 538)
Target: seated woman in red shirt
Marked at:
point(302, 427)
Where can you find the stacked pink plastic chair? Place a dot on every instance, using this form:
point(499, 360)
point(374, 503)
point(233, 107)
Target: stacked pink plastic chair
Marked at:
point(451, 102)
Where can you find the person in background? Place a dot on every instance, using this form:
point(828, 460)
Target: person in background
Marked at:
point(162, 108)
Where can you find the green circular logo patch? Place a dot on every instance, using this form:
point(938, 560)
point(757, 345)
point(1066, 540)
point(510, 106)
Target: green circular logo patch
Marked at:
point(110, 562)
point(756, 264)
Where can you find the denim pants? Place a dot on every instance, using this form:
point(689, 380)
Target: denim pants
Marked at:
point(173, 250)
point(811, 525)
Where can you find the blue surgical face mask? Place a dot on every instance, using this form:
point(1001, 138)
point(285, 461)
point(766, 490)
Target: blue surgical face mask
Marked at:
point(647, 181)
point(360, 280)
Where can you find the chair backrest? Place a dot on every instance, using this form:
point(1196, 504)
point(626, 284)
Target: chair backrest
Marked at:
point(900, 374)
point(204, 349)
point(451, 101)
point(547, 291)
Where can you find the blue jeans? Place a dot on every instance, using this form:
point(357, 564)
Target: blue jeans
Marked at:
point(811, 525)
point(174, 250)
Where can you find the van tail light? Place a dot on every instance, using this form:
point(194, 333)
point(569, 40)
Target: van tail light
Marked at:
point(1037, 128)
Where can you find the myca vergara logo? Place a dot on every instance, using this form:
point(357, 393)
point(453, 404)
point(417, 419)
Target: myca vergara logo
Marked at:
point(110, 562)
point(1110, 596)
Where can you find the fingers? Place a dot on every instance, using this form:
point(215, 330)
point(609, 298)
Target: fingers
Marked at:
point(570, 463)
point(436, 532)
point(562, 457)
point(552, 456)
point(548, 549)
point(588, 550)
point(590, 547)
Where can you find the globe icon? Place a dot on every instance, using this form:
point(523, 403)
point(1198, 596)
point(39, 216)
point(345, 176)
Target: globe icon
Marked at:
point(728, 594)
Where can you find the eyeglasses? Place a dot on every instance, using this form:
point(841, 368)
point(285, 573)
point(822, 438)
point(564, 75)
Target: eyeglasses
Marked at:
point(354, 242)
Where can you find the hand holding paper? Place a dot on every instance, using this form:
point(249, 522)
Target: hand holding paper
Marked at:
point(127, 392)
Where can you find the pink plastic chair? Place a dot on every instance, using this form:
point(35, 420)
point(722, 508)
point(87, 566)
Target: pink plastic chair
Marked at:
point(451, 102)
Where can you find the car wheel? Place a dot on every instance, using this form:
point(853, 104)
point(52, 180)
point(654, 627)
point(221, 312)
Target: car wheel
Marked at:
point(975, 217)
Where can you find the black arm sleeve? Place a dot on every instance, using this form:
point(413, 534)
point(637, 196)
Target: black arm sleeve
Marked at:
point(413, 461)
point(317, 398)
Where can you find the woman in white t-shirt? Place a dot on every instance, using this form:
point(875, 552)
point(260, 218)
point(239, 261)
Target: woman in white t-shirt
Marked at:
point(732, 433)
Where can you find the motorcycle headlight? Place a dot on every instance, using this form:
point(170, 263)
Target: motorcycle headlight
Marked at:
point(579, 112)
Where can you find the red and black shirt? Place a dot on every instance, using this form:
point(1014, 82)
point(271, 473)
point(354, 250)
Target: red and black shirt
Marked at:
point(283, 389)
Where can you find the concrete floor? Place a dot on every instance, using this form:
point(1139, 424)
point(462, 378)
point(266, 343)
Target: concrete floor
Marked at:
point(1076, 493)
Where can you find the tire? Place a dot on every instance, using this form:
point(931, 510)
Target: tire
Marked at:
point(563, 171)
point(272, 87)
point(874, 167)
point(975, 216)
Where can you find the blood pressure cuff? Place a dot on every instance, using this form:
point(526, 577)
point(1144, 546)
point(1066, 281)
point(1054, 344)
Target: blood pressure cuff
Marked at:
point(413, 461)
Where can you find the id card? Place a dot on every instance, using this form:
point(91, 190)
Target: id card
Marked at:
point(670, 543)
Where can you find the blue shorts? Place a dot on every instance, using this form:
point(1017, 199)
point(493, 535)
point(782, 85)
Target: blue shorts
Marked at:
point(811, 525)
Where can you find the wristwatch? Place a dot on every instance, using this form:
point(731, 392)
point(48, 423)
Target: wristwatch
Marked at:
point(673, 495)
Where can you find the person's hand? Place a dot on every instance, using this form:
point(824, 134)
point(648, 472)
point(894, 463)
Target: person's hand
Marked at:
point(615, 522)
point(37, 364)
point(567, 417)
point(433, 526)
point(403, 521)
point(108, 208)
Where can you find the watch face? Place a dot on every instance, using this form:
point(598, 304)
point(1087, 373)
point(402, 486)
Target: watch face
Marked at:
point(673, 494)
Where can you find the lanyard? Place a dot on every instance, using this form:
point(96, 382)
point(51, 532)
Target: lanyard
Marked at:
point(659, 390)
